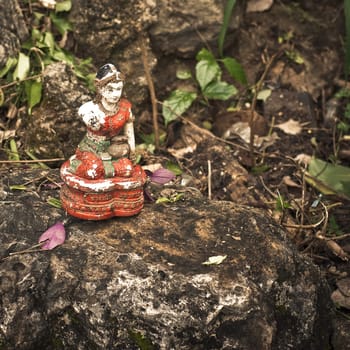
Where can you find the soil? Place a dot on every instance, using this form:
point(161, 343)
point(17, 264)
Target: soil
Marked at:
point(299, 90)
point(298, 49)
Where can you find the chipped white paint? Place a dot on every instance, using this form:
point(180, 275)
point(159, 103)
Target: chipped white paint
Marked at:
point(103, 185)
point(92, 115)
point(92, 171)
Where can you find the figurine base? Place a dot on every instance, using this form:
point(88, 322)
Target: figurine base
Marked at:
point(104, 198)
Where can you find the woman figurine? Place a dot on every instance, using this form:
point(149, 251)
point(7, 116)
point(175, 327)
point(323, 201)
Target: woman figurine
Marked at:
point(100, 180)
point(103, 153)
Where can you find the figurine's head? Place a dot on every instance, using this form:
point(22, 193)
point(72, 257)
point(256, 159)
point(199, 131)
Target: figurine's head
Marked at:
point(109, 83)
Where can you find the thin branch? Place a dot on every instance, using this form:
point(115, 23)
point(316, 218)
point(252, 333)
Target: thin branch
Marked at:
point(338, 238)
point(31, 161)
point(20, 81)
point(151, 89)
point(205, 131)
point(209, 179)
point(32, 249)
point(255, 98)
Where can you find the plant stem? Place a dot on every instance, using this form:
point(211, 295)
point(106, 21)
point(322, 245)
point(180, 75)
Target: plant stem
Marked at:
point(20, 81)
point(31, 161)
point(151, 89)
point(253, 106)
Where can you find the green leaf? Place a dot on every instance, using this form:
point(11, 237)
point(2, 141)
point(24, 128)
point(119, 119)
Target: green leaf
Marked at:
point(54, 202)
point(295, 56)
point(10, 63)
point(32, 156)
point(178, 102)
point(64, 5)
point(281, 203)
point(13, 154)
point(22, 68)
point(49, 41)
point(142, 342)
point(329, 178)
point(33, 90)
point(18, 187)
point(206, 72)
point(163, 200)
point(36, 35)
point(2, 97)
point(260, 169)
point(183, 74)
point(219, 90)
point(60, 55)
point(62, 24)
point(235, 70)
point(205, 55)
point(38, 15)
point(174, 168)
point(230, 4)
point(172, 199)
point(264, 94)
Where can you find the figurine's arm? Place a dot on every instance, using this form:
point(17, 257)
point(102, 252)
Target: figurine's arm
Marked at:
point(129, 132)
point(91, 115)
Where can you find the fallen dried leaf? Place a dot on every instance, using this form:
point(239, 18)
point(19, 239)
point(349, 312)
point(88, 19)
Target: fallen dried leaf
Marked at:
point(337, 250)
point(215, 260)
point(303, 158)
point(289, 182)
point(259, 5)
point(290, 127)
point(7, 134)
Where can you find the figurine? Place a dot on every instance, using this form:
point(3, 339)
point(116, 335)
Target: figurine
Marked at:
point(100, 179)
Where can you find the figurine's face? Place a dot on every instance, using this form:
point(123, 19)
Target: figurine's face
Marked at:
point(112, 92)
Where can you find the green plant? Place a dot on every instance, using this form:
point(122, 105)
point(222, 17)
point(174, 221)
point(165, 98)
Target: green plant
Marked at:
point(230, 4)
point(22, 74)
point(343, 124)
point(207, 84)
point(347, 36)
point(281, 204)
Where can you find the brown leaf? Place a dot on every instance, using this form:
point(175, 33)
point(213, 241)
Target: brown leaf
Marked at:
point(291, 127)
point(259, 5)
point(337, 250)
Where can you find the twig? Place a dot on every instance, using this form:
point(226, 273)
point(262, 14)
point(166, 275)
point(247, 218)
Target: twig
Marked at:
point(273, 195)
point(20, 81)
point(205, 131)
point(336, 238)
point(151, 89)
point(31, 161)
point(31, 249)
point(302, 209)
point(254, 101)
point(306, 226)
point(209, 179)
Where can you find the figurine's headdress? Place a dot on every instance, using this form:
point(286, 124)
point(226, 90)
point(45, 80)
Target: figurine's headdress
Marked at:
point(106, 74)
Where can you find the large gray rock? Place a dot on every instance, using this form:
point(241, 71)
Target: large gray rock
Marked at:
point(184, 27)
point(141, 280)
point(110, 31)
point(55, 129)
point(106, 26)
point(13, 30)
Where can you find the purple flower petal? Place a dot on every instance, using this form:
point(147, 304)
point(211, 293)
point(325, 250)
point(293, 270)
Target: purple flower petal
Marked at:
point(162, 176)
point(53, 236)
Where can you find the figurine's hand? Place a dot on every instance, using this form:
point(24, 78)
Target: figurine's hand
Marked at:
point(92, 116)
point(92, 121)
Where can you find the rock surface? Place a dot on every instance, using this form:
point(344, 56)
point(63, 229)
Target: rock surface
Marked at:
point(55, 129)
point(13, 30)
point(140, 281)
